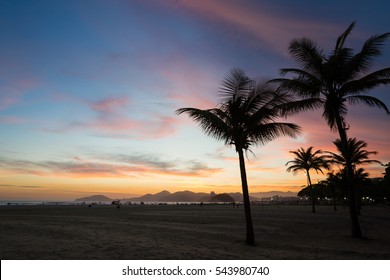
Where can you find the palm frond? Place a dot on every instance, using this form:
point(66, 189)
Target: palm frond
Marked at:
point(297, 106)
point(300, 87)
point(210, 121)
point(293, 168)
point(300, 73)
point(334, 108)
point(369, 101)
point(355, 151)
point(341, 39)
point(361, 62)
point(336, 158)
point(235, 85)
point(269, 106)
point(368, 82)
point(306, 53)
point(262, 94)
point(264, 133)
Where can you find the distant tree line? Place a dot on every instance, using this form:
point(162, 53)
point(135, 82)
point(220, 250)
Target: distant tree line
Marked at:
point(332, 189)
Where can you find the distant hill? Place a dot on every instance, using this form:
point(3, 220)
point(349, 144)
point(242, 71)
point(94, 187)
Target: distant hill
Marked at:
point(181, 196)
point(95, 198)
point(236, 196)
point(152, 197)
point(223, 197)
point(189, 196)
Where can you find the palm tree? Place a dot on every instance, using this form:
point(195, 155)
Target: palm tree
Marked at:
point(306, 160)
point(355, 152)
point(335, 182)
point(247, 115)
point(358, 155)
point(327, 82)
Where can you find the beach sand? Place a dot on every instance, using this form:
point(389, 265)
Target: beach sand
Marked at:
point(189, 232)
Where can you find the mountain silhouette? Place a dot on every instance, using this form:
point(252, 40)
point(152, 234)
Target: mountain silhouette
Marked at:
point(189, 196)
point(152, 197)
point(223, 197)
point(95, 198)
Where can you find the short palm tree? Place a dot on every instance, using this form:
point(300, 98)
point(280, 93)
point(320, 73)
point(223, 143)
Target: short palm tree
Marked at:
point(307, 160)
point(358, 155)
point(334, 181)
point(356, 152)
point(247, 115)
point(329, 81)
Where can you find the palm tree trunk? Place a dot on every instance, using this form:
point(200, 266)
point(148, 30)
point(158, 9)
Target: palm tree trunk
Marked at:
point(355, 226)
point(313, 208)
point(250, 237)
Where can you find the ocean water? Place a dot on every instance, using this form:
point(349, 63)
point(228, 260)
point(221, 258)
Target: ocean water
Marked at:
point(27, 202)
point(36, 202)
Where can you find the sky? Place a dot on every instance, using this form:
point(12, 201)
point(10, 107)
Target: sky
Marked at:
point(89, 89)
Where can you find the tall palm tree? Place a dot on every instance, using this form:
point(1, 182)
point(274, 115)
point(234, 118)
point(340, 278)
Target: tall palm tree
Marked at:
point(307, 160)
point(329, 81)
point(247, 115)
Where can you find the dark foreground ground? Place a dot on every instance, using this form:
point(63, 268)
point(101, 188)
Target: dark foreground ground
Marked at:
point(189, 232)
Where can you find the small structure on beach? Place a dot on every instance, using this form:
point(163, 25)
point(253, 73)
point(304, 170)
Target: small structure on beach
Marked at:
point(116, 202)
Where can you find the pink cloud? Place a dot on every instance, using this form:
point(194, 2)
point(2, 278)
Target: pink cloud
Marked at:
point(138, 129)
point(112, 120)
point(275, 30)
point(112, 124)
point(191, 99)
point(13, 120)
point(110, 105)
point(189, 83)
point(8, 101)
point(160, 128)
point(12, 92)
point(124, 167)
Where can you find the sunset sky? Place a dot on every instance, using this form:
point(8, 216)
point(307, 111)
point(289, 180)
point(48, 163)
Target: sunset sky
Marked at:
point(89, 89)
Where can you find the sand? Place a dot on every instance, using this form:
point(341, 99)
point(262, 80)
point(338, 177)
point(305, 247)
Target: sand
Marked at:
point(189, 232)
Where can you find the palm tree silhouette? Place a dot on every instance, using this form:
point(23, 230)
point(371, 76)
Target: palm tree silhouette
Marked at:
point(247, 115)
point(329, 81)
point(306, 160)
point(358, 155)
point(355, 151)
point(334, 181)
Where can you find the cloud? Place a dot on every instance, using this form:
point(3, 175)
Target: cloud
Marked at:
point(110, 105)
point(13, 90)
point(8, 101)
point(257, 19)
point(189, 84)
point(366, 124)
point(126, 128)
point(11, 120)
point(23, 187)
point(116, 166)
point(114, 117)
